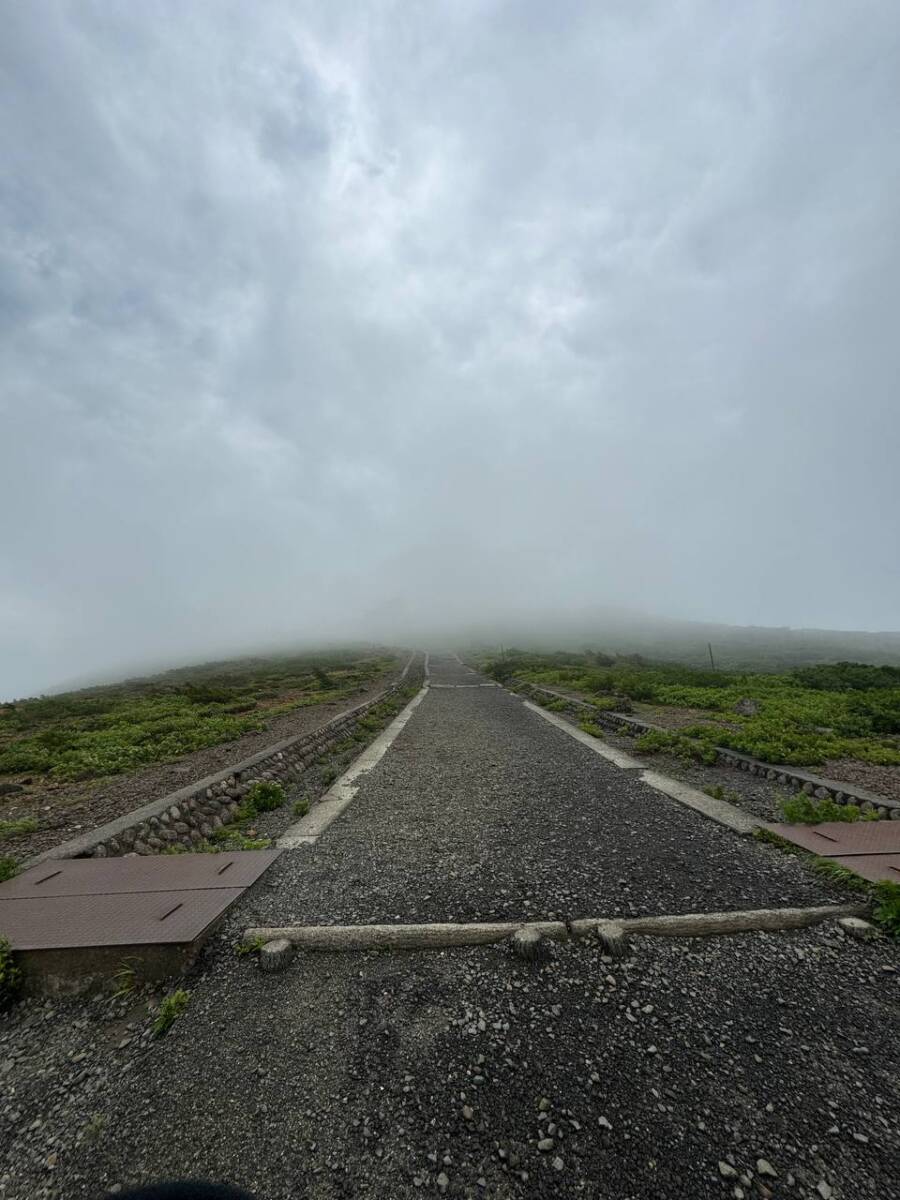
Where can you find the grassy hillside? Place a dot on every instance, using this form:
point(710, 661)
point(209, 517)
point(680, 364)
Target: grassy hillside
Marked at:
point(805, 717)
point(105, 731)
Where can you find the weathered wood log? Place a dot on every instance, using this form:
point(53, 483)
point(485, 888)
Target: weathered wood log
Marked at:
point(439, 936)
point(403, 937)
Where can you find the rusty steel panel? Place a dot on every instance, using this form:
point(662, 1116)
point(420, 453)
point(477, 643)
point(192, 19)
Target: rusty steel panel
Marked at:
point(120, 919)
point(874, 867)
point(150, 873)
point(834, 838)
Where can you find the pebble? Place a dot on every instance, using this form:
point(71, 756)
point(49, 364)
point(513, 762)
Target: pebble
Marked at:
point(467, 1113)
point(764, 1167)
point(442, 1182)
point(546, 1144)
point(825, 1190)
point(558, 1163)
point(727, 1171)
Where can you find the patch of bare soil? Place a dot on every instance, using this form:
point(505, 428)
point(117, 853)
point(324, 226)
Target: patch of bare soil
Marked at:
point(66, 810)
point(884, 781)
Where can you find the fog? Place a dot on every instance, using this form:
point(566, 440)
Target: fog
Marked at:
point(390, 320)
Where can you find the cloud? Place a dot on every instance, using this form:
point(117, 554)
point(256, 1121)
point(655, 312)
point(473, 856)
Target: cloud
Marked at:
point(313, 314)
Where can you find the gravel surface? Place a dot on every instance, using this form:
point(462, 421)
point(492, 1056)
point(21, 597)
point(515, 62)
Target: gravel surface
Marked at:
point(689, 1070)
point(66, 810)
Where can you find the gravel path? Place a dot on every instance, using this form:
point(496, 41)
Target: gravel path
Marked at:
point(467, 1072)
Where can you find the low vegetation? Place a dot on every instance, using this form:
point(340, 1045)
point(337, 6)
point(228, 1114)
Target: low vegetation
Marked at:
point(170, 1009)
point(802, 718)
point(109, 730)
point(19, 828)
point(804, 810)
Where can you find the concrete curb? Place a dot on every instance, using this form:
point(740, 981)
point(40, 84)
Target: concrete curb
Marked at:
point(443, 935)
point(720, 811)
point(310, 828)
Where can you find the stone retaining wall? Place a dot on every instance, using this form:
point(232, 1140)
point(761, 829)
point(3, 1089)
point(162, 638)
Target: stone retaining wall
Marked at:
point(193, 813)
point(785, 776)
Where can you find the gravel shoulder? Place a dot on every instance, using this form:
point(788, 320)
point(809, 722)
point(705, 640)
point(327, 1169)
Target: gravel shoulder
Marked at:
point(469, 1072)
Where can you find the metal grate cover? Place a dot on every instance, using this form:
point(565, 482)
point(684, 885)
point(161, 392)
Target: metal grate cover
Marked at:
point(124, 919)
point(834, 838)
point(872, 866)
point(153, 873)
point(158, 899)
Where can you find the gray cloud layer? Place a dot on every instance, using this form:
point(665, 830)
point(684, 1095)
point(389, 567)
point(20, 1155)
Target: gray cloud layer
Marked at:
point(315, 317)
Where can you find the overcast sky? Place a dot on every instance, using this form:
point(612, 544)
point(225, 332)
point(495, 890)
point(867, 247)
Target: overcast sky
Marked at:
point(318, 318)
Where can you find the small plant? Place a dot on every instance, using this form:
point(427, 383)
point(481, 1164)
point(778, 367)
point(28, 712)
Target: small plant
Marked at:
point(94, 1127)
point(301, 807)
point(887, 906)
point(10, 976)
point(591, 728)
point(722, 793)
point(249, 947)
point(8, 868)
point(170, 1009)
point(264, 796)
point(329, 774)
point(19, 828)
point(125, 979)
point(804, 810)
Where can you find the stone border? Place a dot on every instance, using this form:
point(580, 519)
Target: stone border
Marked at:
point(786, 776)
point(191, 814)
point(439, 936)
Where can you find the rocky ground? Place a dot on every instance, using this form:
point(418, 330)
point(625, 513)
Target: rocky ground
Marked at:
point(66, 810)
point(751, 1066)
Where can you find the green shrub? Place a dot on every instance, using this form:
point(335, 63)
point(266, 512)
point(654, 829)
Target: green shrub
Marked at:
point(662, 741)
point(301, 807)
point(10, 976)
point(8, 868)
point(170, 1009)
point(264, 796)
point(887, 906)
point(804, 810)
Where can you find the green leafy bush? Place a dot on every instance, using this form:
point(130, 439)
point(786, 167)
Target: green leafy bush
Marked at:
point(264, 796)
point(301, 807)
point(8, 868)
point(804, 810)
point(662, 741)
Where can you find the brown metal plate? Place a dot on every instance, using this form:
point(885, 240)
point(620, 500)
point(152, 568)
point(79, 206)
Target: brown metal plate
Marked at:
point(834, 838)
point(150, 873)
point(872, 866)
point(122, 919)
